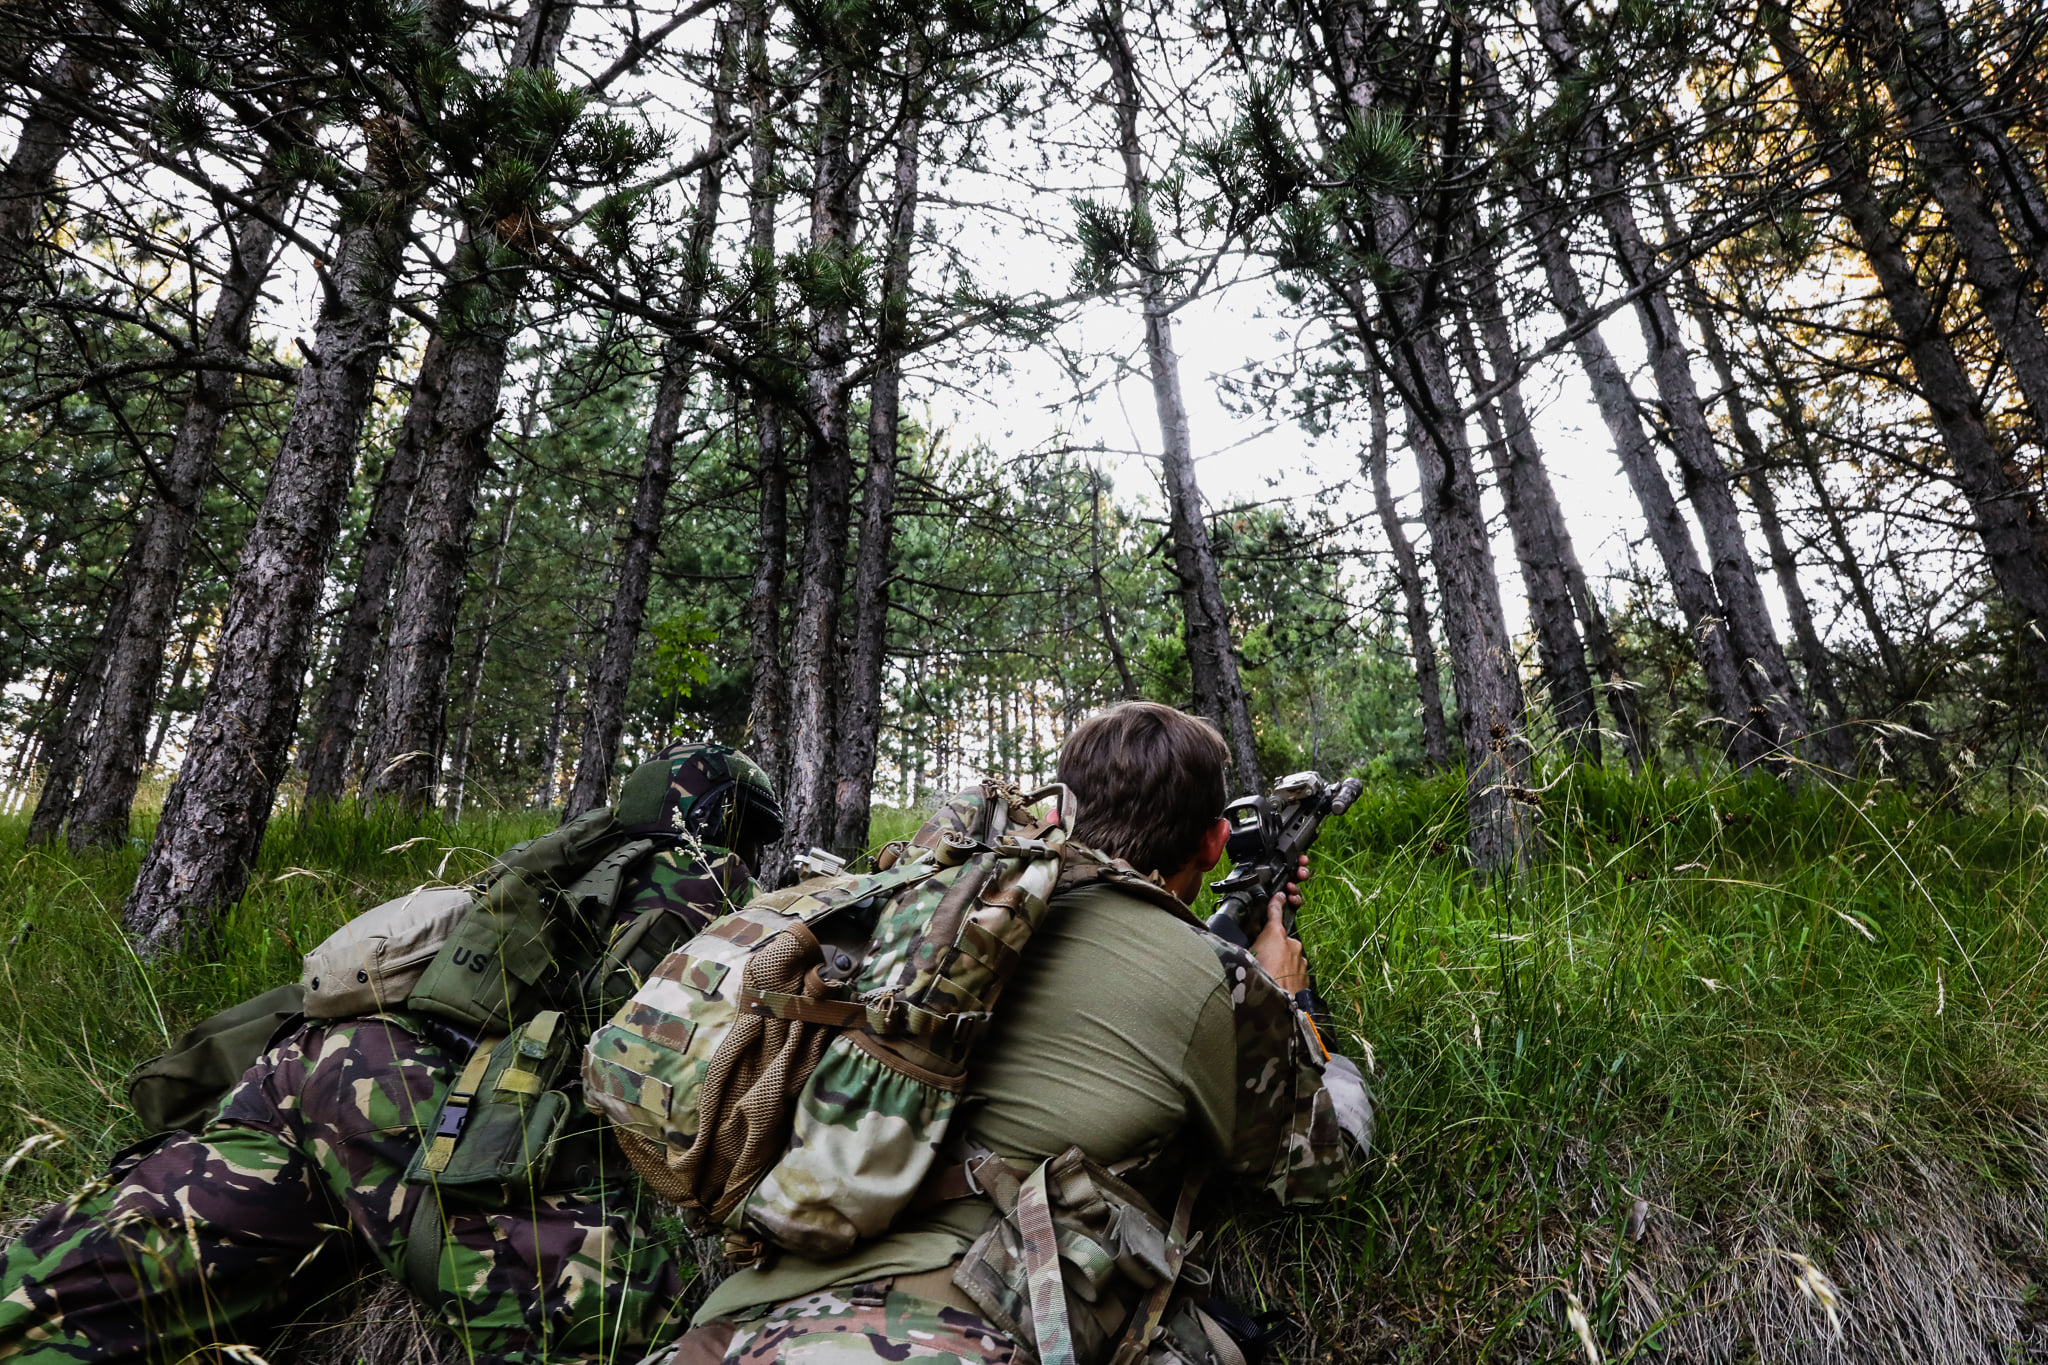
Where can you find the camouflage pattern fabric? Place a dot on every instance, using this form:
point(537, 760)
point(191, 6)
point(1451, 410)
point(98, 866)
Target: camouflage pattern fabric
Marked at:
point(714, 1066)
point(1289, 1135)
point(712, 790)
point(225, 1237)
point(848, 1328)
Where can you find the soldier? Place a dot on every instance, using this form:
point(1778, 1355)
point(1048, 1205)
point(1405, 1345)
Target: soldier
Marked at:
point(221, 1238)
point(1130, 1032)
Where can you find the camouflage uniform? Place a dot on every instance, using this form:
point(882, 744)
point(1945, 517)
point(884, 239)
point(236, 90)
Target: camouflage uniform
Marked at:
point(1129, 1031)
point(226, 1236)
point(851, 1327)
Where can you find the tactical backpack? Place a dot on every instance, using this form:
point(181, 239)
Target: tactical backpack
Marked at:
point(787, 1077)
point(472, 958)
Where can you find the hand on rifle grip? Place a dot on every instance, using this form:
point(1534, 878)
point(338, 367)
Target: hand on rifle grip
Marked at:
point(1279, 952)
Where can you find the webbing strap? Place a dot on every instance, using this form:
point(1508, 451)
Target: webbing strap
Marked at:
point(423, 1247)
point(1152, 1311)
point(802, 1009)
point(1049, 1328)
point(455, 1109)
point(888, 1017)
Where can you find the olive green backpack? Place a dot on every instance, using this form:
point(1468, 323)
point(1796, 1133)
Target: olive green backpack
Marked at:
point(473, 968)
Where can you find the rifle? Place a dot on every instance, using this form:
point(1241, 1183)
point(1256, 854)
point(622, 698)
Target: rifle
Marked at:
point(1268, 835)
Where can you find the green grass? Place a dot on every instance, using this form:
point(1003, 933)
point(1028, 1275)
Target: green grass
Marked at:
point(78, 1010)
point(1805, 1021)
point(1717, 1025)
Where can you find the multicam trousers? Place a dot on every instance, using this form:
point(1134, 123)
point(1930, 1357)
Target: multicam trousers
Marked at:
point(843, 1327)
point(226, 1237)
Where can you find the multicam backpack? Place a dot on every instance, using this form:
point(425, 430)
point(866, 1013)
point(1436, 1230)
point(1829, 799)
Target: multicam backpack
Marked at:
point(787, 1076)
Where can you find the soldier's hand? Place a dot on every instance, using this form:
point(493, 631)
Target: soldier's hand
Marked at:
point(1301, 874)
point(1278, 953)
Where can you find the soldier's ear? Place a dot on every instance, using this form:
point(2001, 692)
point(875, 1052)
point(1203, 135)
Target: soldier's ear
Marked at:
point(1213, 843)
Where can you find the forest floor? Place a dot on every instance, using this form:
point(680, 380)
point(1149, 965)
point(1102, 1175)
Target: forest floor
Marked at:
point(1733, 1073)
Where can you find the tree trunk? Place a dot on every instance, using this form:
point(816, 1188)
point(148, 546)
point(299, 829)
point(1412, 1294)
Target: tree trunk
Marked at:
point(1485, 677)
point(1944, 159)
point(1690, 585)
point(1436, 743)
point(478, 315)
point(1903, 693)
point(1536, 524)
point(860, 715)
point(68, 750)
point(551, 742)
point(1104, 617)
point(434, 569)
point(473, 676)
point(179, 669)
point(1212, 658)
point(1984, 125)
point(376, 566)
point(40, 145)
point(1831, 744)
point(768, 714)
point(155, 567)
point(1761, 662)
point(215, 815)
point(2002, 509)
point(605, 694)
point(1540, 508)
point(814, 644)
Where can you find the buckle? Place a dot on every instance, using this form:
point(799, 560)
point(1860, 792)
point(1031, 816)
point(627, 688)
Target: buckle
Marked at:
point(452, 1118)
point(965, 1027)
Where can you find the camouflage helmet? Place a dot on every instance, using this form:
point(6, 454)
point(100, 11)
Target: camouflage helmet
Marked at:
point(712, 791)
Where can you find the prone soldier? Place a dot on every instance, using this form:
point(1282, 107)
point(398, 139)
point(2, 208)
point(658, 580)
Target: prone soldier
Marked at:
point(1133, 1053)
point(205, 1245)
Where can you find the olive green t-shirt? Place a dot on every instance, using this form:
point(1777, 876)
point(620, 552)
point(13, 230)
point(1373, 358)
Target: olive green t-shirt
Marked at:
point(1116, 1034)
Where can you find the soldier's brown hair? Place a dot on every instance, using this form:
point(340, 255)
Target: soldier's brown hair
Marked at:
point(1149, 783)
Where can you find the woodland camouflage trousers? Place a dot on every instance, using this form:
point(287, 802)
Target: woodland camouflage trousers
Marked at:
point(229, 1236)
point(847, 1327)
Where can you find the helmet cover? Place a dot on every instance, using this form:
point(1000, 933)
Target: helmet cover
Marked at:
point(712, 791)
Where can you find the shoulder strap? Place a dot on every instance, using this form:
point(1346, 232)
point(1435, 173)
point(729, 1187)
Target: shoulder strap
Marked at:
point(1082, 866)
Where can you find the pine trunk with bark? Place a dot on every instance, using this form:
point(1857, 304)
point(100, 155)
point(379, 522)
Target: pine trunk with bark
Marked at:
point(1436, 742)
point(1542, 549)
point(1693, 590)
point(1760, 661)
point(1105, 619)
point(1831, 743)
point(1985, 125)
point(155, 566)
point(40, 146)
point(605, 694)
point(479, 654)
point(821, 579)
point(66, 752)
point(479, 313)
point(434, 569)
point(768, 713)
point(383, 542)
point(179, 668)
point(1539, 508)
point(1942, 156)
point(2001, 508)
point(214, 817)
point(1903, 692)
point(551, 741)
point(860, 713)
point(1212, 657)
point(1485, 676)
